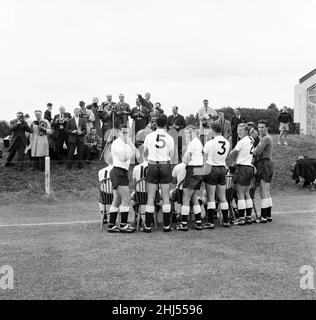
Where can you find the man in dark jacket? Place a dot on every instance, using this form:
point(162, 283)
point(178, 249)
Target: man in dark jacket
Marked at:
point(76, 130)
point(177, 122)
point(123, 111)
point(234, 124)
point(284, 118)
point(18, 127)
point(140, 115)
point(59, 124)
point(48, 112)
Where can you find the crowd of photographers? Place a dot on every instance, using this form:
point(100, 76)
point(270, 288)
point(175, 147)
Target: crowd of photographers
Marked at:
point(83, 135)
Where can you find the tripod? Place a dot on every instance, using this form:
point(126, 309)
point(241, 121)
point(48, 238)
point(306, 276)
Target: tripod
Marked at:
point(112, 136)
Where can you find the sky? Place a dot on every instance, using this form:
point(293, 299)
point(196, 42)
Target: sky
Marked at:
point(244, 53)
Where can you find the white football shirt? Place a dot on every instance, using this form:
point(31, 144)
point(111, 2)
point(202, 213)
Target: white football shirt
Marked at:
point(121, 153)
point(195, 148)
point(179, 172)
point(244, 148)
point(159, 144)
point(217, 151)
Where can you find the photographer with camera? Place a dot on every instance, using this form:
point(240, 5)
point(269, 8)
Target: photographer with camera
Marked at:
point(97, 111)
point(92, 145)
point(87, 115)
point(206, 116)
point(39, 141)
point(18, 128)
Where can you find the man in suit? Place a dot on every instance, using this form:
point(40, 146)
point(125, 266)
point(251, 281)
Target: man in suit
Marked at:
point(123, 111)
point(108, 111)
point(177, 122)
point(59, 124)
point(76, 130)
point(48, 112)
point(140, 115)
point(234, 124)
point(227, 129)
point(17, 128)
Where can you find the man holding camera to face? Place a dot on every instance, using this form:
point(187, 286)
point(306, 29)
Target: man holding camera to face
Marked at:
point(18, 128)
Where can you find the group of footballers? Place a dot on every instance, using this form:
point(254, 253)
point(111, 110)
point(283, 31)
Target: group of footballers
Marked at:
point(200, 164)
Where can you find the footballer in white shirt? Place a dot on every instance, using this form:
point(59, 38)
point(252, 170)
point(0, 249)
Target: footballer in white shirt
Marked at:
point(159, 148)
point(193, 157)
point(244, 173)
point(122, 150)
point(176, 195)
point(215, 153)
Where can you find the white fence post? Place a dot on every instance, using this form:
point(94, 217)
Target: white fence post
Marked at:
point(47, 175)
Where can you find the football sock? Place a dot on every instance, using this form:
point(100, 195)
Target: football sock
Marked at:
point(210, 212)
point(269, 208)
point(166, 210)
point(241, 205)
point(224, 209)
point(197, 214)
point(113, 216)
point(149, 216)
point(264, 205)
point(249, 205)
point(185, 211)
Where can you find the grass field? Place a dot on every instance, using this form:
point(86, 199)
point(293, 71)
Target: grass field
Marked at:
point(57, 251)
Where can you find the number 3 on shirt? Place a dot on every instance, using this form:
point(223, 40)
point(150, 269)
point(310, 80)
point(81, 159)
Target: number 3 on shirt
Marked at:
point(223, 144)
point(160, 138)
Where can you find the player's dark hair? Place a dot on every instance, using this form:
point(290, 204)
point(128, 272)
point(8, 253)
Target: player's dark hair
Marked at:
point(217, 127)
point(263, 121)
point(161, 120)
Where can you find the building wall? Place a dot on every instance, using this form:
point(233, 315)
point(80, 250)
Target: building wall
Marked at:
point(305, 112)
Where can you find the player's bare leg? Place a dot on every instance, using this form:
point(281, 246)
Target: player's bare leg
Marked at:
point(266, 202)
point(124, 194)
point(241, 204)
point(249, 205)
point(197, 211)
point(166, 207)
point(185, 209)
point(113, 212)
point(211, 206)
point(223, 204)
point(150, 207)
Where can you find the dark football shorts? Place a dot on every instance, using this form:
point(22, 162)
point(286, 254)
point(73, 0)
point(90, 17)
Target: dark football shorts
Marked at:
point(264, 170)
point(192, 181)
point(217, 176)
point(119, 177)
point(159, 173)
point(244, 175)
